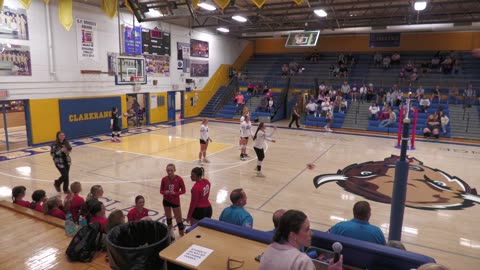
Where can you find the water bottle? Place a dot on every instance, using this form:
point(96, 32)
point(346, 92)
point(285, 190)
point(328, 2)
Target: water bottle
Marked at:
point(69, 225)
point(82, 221)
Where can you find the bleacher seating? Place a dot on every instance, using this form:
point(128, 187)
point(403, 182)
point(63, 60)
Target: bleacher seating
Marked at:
point(360, 254)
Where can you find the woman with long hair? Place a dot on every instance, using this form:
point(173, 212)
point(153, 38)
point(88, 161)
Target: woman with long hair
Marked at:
point(39, 197)
point(73, 202)
point(200, 206)
point(284, 253)
point(204, 140)
point(245, 133)
point(60, 152)
point(53, 207)
point(171, 188)
point(139, 212)
point(260, 137)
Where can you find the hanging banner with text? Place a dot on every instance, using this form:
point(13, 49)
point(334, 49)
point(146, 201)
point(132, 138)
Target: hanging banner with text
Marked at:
point(183, 57)
point(86, 40)
point(384, 40)
point(132, 40)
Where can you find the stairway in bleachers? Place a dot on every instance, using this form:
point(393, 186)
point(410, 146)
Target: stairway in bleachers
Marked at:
point(459, 122)
point(215, 102)
point(354, 120)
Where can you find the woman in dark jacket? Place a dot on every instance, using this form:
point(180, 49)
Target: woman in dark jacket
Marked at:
point(60, 152)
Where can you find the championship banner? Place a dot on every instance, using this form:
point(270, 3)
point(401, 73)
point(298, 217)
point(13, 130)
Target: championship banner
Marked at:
point(132, 40)
point(87, 116)
point(183, 57)
point(86, 35)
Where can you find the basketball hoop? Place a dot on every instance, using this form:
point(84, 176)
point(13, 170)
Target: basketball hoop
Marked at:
point(137, 83)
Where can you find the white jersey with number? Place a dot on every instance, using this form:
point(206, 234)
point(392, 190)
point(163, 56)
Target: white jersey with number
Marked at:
point(245, 129)
point(204, 132)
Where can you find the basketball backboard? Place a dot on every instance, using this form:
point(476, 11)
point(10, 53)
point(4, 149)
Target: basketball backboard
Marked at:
point(130, 70)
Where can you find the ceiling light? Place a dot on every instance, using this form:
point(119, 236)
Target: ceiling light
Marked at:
point(207, 6)
point(320, 12)
point(223, 29)
point(153, 13)
point(420, 5)
point(239, 18)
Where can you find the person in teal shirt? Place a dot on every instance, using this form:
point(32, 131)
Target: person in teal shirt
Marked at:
point(358, 227)
point(236, 214)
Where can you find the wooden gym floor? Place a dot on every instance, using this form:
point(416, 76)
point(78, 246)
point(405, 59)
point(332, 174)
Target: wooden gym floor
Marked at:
point(136, 166)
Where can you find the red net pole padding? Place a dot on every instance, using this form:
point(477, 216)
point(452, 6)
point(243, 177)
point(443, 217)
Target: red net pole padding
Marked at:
point(399, 132)
point(414, 129)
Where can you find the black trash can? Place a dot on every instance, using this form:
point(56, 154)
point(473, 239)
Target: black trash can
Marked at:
point(136, 245)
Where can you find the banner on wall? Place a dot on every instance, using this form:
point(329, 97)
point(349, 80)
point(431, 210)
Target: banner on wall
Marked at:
point(132, 40)
point(87, 116)
point(112, 63)
point(199, 68)
point(384, 40)
point(199, 48)
point(15, 60)
point(86, 39)
point(183, 57)
point(13, 22)
point(157, 65)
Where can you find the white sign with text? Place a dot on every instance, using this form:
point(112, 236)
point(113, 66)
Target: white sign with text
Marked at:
point(194, 255)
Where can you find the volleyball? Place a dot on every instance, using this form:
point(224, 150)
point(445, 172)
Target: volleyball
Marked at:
point(311, 166)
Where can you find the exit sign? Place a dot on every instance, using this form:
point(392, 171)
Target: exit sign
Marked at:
point(3, 94)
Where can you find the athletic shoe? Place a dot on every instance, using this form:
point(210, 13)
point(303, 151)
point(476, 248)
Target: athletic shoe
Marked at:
point(329, 130)
point(57, 188)
point(245, 155)
point(242, 158)
point(326, 128)
point(206, 160)
point(118, 140)
point(200, 161)
point(260, 174)
point(113, 140)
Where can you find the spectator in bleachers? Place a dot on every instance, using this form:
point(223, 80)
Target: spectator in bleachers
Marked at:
point(329, 119)
point(269, 94)
point(354, 93)
point(377, 59)
point(453, 94)
point(39, 197)
point(386, 62)
point(395, 58)
point(370, 93)
point(236, 213)
point(284, 253)
point(444, 120)
point(53, 207)
point(311, 108)
point(321, 97)
point(331, 69)
point(420, 92)
point(447, 65)
point(433, 126)
point(373, 111)
point(469, 96)
point(436, 94)
point(409, 67)
point(384, 114)
point(413, 76)
point(284, 70)
point(73, 202)
point(240, 100)
point(389, 98)
point(250, 87)
point(341, 59)
point(343, 71)
point(363, 92)
point(18, 193)
point(326, 106)
point(321, 87)
point(359, 227)
point(345, 90)
point(424, 103)
point(392, 118)
point(380, 96)
point(402, 75)
point(270, 105)
point(338, 101)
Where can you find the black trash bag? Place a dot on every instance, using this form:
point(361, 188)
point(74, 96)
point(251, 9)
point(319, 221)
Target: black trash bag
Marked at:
point(136, 245)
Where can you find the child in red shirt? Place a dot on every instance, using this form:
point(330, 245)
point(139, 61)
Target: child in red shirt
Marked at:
point(139, 211)
point(73, 202)
point(171, 188)
point(200, 206)
point(18, 193)
point(39, 197)
point(52, 208)
point(97, 215)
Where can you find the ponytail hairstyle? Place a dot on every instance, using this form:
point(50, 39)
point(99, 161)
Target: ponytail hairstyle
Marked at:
point(94, 191)
point(37, 197)
point(291, 221)
point(75, 187)
point(52, 203)
point(95, 209)
point(199, 172)
point(17, 192)
point(260, 126)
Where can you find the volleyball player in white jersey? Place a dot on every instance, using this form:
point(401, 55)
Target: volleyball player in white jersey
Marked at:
point(260, 137)
point(245, 133)
point(204, 140)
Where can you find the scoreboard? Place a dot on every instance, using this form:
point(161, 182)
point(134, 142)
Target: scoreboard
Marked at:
point(302, 39)
point(155, 42)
